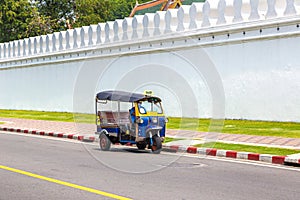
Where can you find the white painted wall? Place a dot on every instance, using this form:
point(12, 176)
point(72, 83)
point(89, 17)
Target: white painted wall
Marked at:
point(39, 88)
point(263, 81)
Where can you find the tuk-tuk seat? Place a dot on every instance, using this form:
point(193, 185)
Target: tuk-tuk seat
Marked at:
point(110, 118)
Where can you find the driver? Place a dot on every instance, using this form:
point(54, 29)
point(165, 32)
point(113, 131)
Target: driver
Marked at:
point(142, 110)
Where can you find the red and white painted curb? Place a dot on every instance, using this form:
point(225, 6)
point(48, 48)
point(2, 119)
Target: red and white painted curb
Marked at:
point(52, 134)
point(293, 159)
point(177, 148)
point(233, 154)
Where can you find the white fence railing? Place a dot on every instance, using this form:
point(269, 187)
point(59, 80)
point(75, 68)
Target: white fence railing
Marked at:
point(197, 16)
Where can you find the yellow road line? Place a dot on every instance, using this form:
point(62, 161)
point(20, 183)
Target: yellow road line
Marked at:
point(64, 183)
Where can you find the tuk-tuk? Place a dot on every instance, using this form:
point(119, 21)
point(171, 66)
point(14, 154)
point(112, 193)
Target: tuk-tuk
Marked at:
point(130, 118)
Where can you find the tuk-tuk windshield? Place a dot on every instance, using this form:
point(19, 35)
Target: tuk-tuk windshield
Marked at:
point(150, 106)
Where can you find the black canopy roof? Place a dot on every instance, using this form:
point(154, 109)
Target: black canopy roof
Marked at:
point(115, 95)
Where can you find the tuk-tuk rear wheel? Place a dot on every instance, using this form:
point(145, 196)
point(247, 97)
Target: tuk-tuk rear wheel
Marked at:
point(157, 145)
point(104, 142)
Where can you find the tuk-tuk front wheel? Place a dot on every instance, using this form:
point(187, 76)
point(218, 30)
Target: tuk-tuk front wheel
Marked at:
point(157, 145)
point(104, 142)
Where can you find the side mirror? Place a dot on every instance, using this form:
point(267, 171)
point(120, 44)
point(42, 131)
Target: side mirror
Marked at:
point(142, 110)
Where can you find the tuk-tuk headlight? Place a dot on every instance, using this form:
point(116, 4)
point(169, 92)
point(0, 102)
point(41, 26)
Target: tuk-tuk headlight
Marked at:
point(154, 120)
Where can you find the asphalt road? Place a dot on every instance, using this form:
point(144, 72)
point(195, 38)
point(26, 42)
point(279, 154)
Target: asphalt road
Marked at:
point(132, 174)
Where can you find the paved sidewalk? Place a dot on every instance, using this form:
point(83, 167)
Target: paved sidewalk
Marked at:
point(88, 130)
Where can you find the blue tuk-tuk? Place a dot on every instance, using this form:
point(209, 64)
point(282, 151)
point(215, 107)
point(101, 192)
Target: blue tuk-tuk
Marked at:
point(130, 118)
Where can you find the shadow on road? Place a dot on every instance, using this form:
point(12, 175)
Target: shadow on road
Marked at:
point(126, 150)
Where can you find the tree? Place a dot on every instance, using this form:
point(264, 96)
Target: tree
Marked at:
point(95, 11)
point(92, 12)
point(58, 13)
point(14, 17)
point(21, 19)
point(41, 25)
point(122, 8)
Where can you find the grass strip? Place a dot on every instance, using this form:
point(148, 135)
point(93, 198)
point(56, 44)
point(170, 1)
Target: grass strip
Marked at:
point(49, 116)
point(250, 148)
point(248, 127)
point(170, 139)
